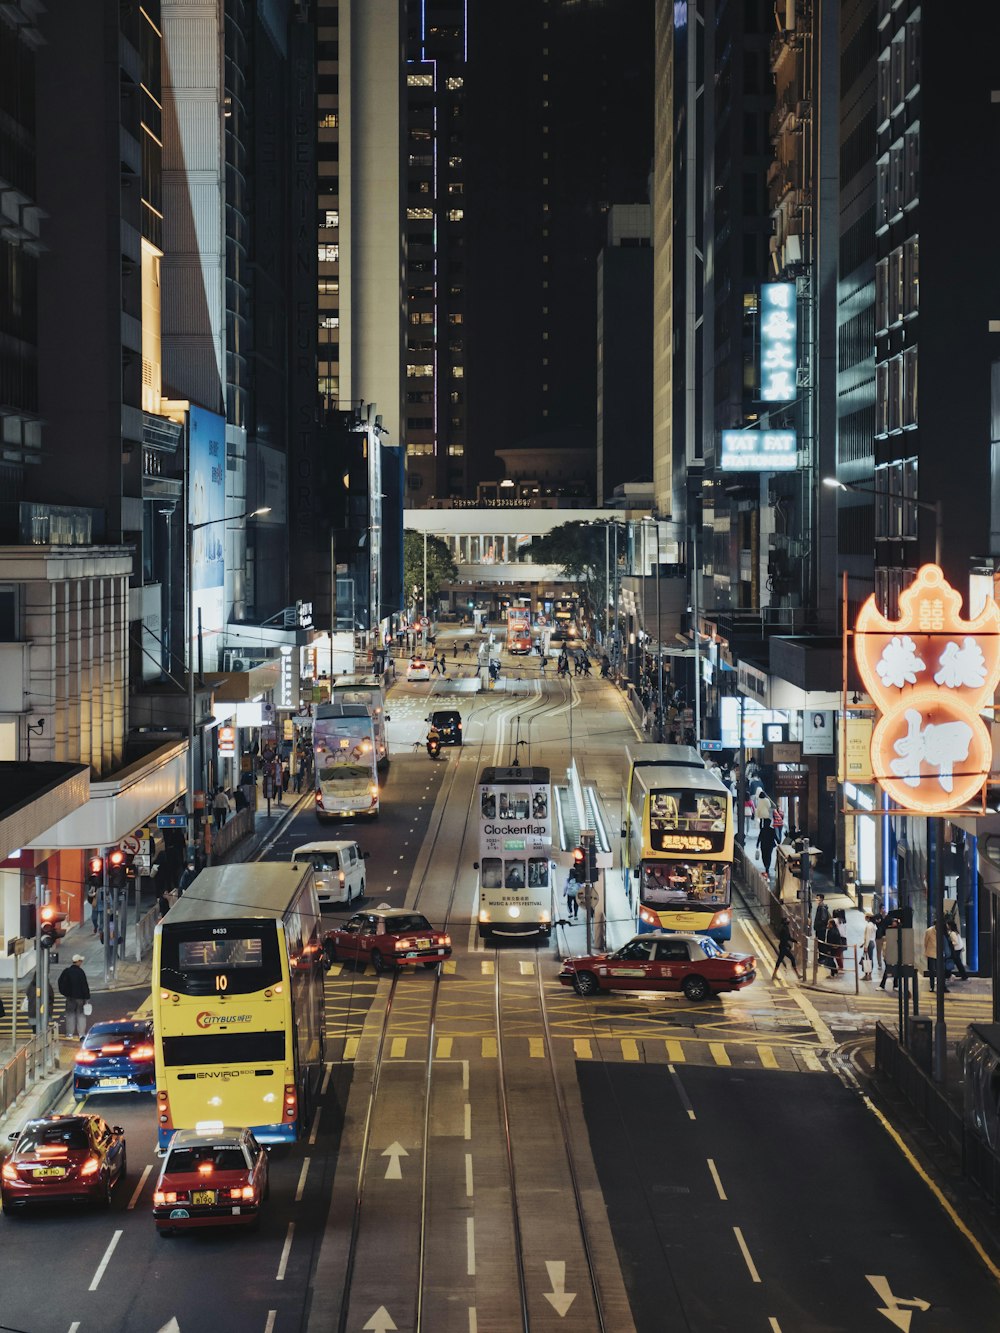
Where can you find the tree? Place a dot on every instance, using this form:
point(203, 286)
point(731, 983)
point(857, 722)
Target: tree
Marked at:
point(579, 550)
point(441, 569)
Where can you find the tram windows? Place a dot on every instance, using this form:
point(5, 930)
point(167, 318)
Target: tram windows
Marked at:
point(489, 804)
point(538, 872)
point(514, 805)
point(492, 872)
point(540, 805)
point(514, 876)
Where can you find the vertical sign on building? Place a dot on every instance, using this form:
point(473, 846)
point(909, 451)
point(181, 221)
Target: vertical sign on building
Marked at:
point(777, 342)
point(207, 515)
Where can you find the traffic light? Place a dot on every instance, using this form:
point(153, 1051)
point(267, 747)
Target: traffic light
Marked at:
point(578, 870)
point(29, 920)
point(117, 869)
point(95, 872)
point(591, 863)
point(52, 926)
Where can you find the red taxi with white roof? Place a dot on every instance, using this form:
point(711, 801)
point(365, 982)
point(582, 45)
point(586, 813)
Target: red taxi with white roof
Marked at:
point(655, 960)
point(387, 937)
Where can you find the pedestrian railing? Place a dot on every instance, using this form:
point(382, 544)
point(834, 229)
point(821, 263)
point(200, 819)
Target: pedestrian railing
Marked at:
point(234, 830)
point(30, 1062)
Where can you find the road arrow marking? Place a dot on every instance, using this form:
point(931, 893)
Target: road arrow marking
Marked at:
point(392, 1172)
point(380, 1322)
point(171, 1326)
point(892, 1311)
point(558, 1297)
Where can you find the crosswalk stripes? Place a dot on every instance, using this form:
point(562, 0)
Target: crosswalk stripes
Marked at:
point(719, 1053)
point(582, 1049)
point(675, 1052)
point(536, 1048)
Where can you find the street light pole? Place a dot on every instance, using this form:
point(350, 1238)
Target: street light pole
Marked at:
point(191, 529)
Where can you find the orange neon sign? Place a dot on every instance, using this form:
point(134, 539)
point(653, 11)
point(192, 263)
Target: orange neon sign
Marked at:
point(929, 673)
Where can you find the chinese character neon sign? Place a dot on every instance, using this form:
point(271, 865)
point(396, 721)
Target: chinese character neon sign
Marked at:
point(777, 342)
point(759, 451)
point(930, 673)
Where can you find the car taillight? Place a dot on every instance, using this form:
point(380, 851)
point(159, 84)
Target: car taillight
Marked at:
point(446, 939)
point(242, 1192)
point(142, 1053)
point(319, 798)
point(113, 1050)
point(9, 1172)
point(291, 1101)
point(91, 1166)
point(83, 1057)
point(164, 1196)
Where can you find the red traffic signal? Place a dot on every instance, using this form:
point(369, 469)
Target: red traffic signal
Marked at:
point(51, 930)
point(578, 869)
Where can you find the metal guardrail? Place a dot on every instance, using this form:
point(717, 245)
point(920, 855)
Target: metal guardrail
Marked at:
point(237, 827)
point(30, 1062)
point(979, 1163)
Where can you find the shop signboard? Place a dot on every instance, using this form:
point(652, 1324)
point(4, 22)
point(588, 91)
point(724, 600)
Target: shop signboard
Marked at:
point(791, 780)
point(207, 515)
point(856, 748)
point(817, 732)
point(759, 451)
point(227, 742)
point(778, 352)
point(930, 673)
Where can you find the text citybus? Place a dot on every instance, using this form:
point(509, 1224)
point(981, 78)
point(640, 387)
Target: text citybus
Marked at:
point(369, 692)
point(515, 851)
point(678, 843)
point(238, 1003)
point(344, 762)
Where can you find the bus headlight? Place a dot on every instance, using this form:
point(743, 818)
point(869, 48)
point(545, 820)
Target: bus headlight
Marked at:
point(513, 911)
point(484, 914)
point(721, 919)
point(650, 918)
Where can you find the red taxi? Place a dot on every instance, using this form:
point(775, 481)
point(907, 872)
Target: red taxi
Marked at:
point(387, 937)
point(694, 964)
point(210, 1177)
point(62, 1159)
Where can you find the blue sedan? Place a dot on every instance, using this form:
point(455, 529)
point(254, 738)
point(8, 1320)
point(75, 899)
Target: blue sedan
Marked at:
point(115, 1057)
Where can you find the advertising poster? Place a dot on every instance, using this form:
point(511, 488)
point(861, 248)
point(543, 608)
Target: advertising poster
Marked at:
point(856, 763)
point(207, 515)
point(817, 732)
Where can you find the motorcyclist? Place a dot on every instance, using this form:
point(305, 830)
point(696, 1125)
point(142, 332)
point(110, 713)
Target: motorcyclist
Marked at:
point(433, 741)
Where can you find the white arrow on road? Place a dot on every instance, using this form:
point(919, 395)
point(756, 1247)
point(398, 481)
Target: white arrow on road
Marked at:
point(899, 1317)
point(380, 1322)
point(171, 1327)
point(558, 1297)
point(392, 1172)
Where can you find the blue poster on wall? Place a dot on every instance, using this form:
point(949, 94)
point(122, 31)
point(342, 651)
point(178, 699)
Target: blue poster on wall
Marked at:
point(207, 515)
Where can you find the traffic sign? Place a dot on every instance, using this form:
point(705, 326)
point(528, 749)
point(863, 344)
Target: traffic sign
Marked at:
point(171, 821)
point(710, 745)
point(130, 844)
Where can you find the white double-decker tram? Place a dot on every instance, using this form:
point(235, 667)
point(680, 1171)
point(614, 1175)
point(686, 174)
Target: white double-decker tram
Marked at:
point(515, 852)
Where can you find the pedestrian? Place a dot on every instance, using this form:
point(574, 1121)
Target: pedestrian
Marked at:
point(821, 916)
point(434, 665)
point(96, 899)
point(220, 807)
point(879, 917)
point(835, 950)
point(868, 947)
point(572, 905)
point(889, 953)
point(187, 878)
point(931, 954)
point(74, 986)
point(163, 904)
point(454, 652)
point(786, 950)
point(777, 821)
point(954, 937)
point(764, 807)
point(766, 842)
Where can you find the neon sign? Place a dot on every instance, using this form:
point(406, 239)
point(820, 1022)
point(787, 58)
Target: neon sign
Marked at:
point(777, 342)
point(759, 451)
point(930, 673)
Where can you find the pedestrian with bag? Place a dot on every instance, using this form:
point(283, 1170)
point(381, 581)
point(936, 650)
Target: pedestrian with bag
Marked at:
point(954, 938)
point(931, 954)
point(74, 986)
point(786, 951)
point(868, 947)
point(763, 808)
point(766, 843)
point(572, 903)
point(835, 950)
point(777, 822)
point(821, 917)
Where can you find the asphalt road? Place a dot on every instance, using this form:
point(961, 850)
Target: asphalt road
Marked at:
point(726, 1179)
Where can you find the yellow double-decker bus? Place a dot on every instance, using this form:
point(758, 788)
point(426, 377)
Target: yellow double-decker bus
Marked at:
point(238, 1003)
point(678, 844)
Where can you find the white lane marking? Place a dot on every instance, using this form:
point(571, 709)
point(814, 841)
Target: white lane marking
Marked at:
point(271, 1317)
point(468, 1175)
point(74, 1326)
point(315, 1125)
point(300, 1188)
point(473, 1320)
point(681, 1093)
point(465, 1076)
point(139, 1188)
point(468, 1121)
point(96, 1279)
point(718, 1182)
point(754, 1275)
point(285, 1252)
point(470, 1246)
point(326, 1078)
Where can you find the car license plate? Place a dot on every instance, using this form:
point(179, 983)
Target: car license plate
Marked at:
point(423, 944)
point(49, 1171)
point(113, 1082)
point(203, 1196)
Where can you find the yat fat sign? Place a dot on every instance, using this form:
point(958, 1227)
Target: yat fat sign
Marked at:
point(930, 673)
point(759, 451)
point(777, 342)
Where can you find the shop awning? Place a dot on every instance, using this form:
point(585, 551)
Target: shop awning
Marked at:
point(35, 796)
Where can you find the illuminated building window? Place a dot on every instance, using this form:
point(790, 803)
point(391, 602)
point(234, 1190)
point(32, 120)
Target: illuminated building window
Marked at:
point(330, 322)
point(455, 397)
point(455, 214)
point(455, 187)
point(414, 372)
point(420, 80)
point(329, 286)
point(329, 121)
point(421, 160)
point(329, 254)
point(331, 218)
point(454, 162)
point(456, 450)
point(456, 317)
point(458, 372)
point(419, 214)
point(414, 450)
point(454, 83)
point(422, 317)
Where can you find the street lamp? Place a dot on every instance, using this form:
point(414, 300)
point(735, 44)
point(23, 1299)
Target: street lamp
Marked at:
point(192, 528)
point(933, 825)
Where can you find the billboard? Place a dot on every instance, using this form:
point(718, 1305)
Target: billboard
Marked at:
point(207, 516)
point(777, 342)
point(759, 451)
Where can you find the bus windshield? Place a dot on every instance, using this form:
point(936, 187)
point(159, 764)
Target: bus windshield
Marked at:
point(687, 820)
point(680, 884)
point(344, 753)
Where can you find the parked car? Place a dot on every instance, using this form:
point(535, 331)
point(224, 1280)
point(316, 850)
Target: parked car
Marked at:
point(656, 960)
point(62, 1159)
point(115, 1057)
point(338, 870)
point(211, 1178)
point(387, 937)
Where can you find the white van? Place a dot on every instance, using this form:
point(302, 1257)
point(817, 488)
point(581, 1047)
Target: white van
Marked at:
point(338, 868)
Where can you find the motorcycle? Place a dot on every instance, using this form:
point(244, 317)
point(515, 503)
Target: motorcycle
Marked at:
point(434, 747)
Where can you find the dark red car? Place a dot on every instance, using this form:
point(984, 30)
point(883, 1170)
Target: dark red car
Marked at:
point(693, 964)
point(211, 1178)
point(387, 937)
point(62, 1159)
